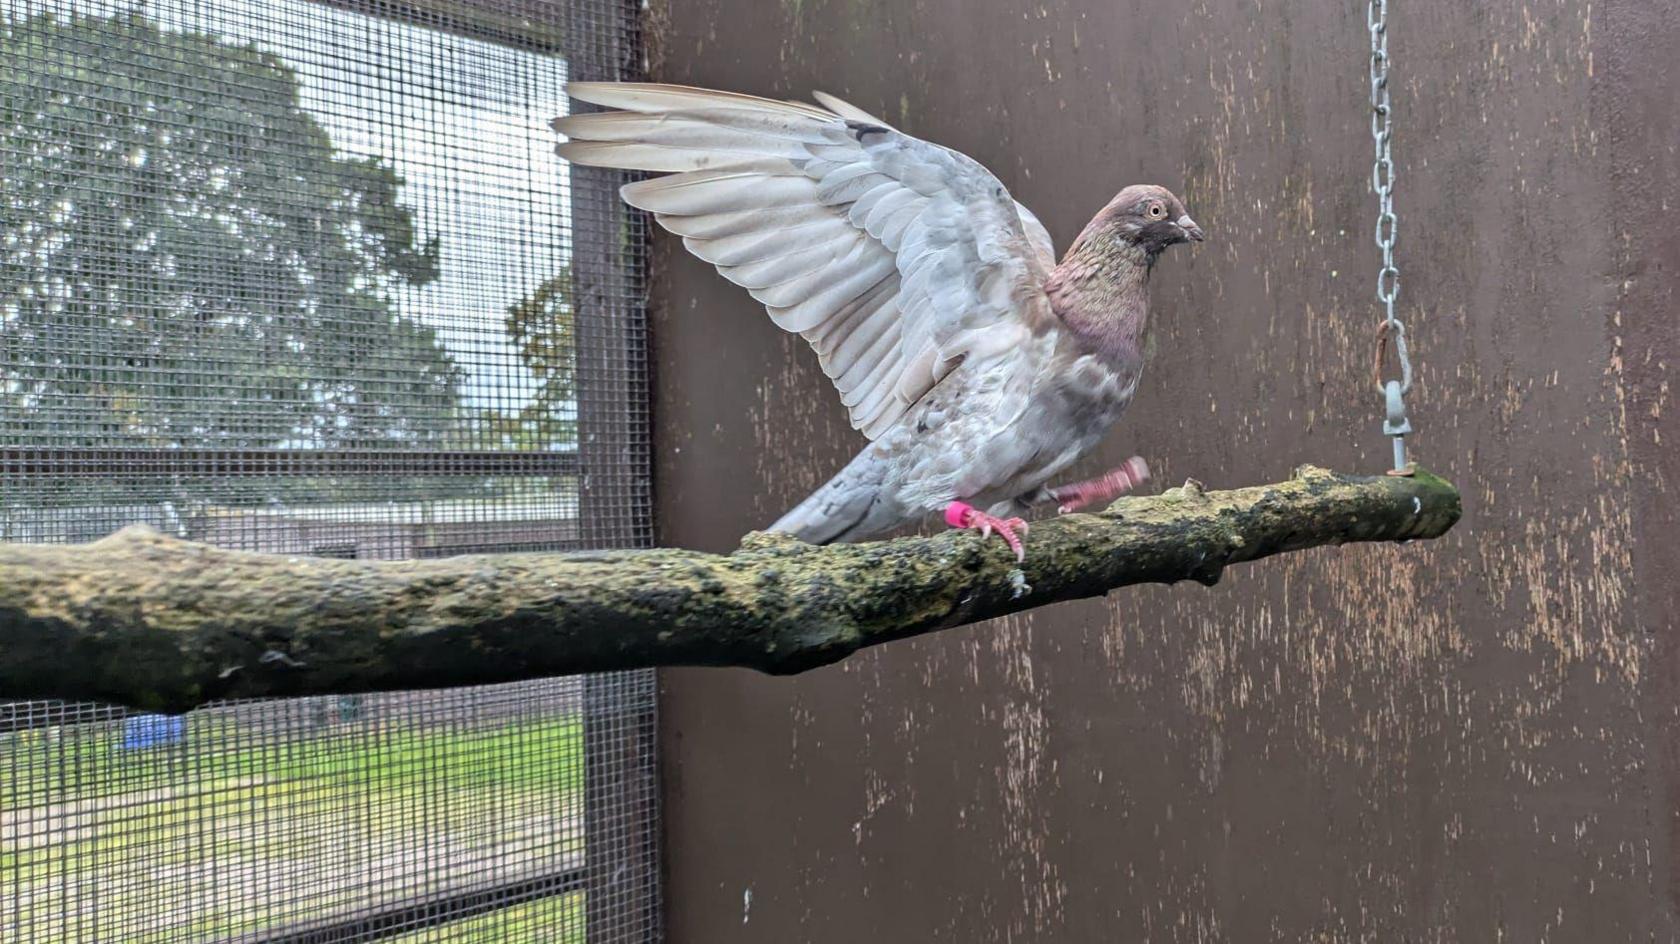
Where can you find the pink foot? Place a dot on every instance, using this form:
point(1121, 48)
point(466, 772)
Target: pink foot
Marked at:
point(963, 515)
point(1132, 473)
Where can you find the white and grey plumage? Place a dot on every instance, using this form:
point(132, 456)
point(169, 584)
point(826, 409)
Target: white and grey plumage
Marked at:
point(978, 367)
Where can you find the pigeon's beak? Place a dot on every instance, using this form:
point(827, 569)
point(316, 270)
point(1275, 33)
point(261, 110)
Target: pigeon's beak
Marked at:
point(1192, 232)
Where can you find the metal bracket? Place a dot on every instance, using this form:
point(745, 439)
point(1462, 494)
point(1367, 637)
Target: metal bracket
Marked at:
point(1397, 425)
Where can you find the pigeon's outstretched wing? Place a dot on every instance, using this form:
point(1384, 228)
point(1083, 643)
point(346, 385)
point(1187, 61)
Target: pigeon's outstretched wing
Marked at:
point(895, 258)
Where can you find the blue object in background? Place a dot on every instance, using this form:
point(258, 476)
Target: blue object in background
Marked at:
point(143, 731)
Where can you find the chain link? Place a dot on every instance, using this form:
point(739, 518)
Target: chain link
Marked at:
point(1396, 424)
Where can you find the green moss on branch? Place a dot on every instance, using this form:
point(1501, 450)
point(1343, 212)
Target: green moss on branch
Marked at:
point(153, 622)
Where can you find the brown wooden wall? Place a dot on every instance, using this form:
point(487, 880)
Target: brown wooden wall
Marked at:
point(1469, 741)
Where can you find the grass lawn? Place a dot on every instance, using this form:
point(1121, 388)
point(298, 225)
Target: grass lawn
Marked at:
point(234, 829)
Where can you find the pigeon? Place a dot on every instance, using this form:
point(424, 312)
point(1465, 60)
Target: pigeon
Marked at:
point(977, 366)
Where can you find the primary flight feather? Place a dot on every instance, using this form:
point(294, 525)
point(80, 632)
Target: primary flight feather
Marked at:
point(978, 366)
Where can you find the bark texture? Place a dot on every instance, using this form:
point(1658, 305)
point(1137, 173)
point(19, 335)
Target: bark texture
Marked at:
point(153, 622)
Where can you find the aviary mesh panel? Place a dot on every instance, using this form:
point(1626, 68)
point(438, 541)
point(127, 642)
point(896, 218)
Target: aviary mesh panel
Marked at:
point(307, 278)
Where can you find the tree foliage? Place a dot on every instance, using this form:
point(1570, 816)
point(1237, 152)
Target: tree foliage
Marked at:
point(542, 326)
point(186, 260)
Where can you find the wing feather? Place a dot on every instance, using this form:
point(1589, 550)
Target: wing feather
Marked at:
point(697, 193)
point(804, 303)
point(756, 245)
point(843, 336)
point(788, 267)
point(864, 376)
point(1035, 231)
point(846, 110)
point(740, 222)
point(898, 260)
point(660, 98)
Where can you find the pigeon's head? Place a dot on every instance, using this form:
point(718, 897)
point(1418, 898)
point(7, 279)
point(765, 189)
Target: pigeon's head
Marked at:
point(1151, 218)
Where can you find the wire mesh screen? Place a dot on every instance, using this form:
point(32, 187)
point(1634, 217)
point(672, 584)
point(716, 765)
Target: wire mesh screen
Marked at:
point(304, 276)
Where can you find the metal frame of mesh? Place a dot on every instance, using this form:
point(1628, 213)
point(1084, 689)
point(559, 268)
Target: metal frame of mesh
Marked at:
point(304, 277)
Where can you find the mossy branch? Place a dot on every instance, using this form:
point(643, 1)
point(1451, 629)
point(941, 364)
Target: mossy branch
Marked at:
point(153, 622)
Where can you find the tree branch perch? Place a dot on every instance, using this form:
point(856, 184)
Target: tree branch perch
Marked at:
point(154, 622)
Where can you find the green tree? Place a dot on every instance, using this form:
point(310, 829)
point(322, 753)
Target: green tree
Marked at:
point(542, 328)
point(185, 260)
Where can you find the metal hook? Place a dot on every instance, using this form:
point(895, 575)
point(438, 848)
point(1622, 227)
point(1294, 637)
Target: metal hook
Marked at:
point(1397, 425)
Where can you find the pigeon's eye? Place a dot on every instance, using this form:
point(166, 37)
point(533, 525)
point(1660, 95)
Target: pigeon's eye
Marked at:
point(1156, 211)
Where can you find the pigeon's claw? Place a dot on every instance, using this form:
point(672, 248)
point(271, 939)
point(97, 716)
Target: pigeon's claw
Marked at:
point(1132, 473)
point(963, 515)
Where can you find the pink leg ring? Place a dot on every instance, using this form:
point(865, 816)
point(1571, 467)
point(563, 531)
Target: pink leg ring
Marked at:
point(963, 515)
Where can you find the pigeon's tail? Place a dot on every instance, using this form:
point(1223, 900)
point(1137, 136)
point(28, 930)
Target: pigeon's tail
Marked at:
point(848, 508)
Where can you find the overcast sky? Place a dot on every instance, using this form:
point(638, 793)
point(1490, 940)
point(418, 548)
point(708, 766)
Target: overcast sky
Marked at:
point(464, 122)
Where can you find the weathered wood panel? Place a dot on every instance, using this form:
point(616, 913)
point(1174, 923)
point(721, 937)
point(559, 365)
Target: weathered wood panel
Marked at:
point(1468, 741)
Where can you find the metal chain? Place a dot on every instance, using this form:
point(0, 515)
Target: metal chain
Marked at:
point(1396, 424)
